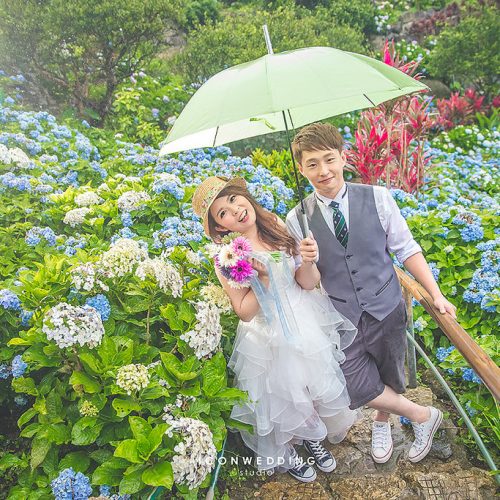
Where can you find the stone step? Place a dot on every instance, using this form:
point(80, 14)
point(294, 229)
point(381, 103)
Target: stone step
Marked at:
point(445, 473)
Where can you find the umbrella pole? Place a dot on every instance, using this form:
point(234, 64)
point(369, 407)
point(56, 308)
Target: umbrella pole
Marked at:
point(305, 224)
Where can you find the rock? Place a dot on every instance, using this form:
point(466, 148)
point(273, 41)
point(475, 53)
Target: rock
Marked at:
point(293, 491)
point(457, 483)
point(369, 487)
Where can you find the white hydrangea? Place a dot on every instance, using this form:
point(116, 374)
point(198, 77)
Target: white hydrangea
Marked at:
point(217, 296)
point(194, 258)
point(205, 337)
point(121, 258)
point(103, 187)
point(132, 200)
point(132, 378)
point(76, 216)
point(88, 199)
point(68, 325)
point(4, 154)
point(19, 157)
point(86, 277)
point(165, 274)
point(195, 455)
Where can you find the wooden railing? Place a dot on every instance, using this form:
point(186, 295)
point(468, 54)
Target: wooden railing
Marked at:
point(479, 361)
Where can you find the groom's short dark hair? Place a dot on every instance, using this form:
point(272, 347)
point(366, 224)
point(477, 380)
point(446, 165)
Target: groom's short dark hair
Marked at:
point(316, 137)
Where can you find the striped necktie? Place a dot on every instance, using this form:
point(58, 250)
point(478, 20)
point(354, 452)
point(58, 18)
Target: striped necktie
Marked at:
point(339, 224)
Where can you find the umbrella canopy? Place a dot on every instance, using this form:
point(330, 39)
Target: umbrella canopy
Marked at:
point(304, 86)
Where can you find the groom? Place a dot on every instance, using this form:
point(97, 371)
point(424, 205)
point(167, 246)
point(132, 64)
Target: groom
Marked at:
point(355, 228)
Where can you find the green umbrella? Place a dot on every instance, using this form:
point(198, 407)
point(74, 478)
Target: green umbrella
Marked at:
point(282, 91)
point(306, 84)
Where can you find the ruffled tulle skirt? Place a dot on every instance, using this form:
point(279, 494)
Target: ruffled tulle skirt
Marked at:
point(296, 388)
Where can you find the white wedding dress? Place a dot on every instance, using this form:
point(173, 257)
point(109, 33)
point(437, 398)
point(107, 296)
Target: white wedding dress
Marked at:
point(287, 360)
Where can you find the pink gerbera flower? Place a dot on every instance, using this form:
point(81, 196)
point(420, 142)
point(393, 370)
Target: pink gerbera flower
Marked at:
point(242, 271)
point(241, 246)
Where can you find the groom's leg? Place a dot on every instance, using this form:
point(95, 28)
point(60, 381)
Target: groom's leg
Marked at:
point(391, 402)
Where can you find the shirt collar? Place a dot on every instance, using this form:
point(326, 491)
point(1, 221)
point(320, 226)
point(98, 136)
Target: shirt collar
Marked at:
point(340, 196)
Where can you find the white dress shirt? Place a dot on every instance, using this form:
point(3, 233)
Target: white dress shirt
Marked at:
point(400, 241)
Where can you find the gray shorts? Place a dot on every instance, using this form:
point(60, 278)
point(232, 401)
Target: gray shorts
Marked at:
point(376, 358)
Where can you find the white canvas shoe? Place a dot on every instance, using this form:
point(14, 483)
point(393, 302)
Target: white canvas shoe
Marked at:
point(424, 433)
point(381, 442)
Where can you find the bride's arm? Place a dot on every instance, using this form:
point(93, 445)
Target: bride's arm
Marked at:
point(243, 300)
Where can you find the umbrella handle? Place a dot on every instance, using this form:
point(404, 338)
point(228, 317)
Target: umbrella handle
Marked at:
point(305, 224)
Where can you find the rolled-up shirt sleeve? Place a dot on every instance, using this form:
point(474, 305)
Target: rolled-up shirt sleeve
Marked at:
point(400, 241)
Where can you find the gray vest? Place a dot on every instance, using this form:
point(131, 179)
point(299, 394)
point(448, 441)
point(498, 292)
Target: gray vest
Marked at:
point(360, 277)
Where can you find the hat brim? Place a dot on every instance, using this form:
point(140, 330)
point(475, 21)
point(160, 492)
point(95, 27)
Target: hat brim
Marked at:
point(234, 181)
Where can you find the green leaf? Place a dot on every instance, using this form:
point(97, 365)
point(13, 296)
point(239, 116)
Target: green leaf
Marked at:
point(214, 375)
point(54, 405)
point(124, 406)
point(82, 379)
point(78, 460)
point(128, 449)
point(10, 460)
point(91, 363)
point(156, 437)
point(176, 368)
point(160, 474)
point(139, 427)
point(26, 417)
point(25, 385)
point(132, 481)
point(110, 472)
point(86, 431)
point(39, 449)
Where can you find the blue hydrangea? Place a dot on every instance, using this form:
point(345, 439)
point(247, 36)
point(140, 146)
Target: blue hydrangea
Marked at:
point(177, 232)
point(25, 317)
point(20, 400)
point(472, 232)
point(469, 375)
point(126, 219)
point(18, 366)
point(404, 420)
point(435, 270)
point(35, 234)
point(9, 300)
point(71, 486)
point(101, 304)
point(443, 352)
point(471, 411)
point(486, 303)
point(4, 371)
point(105, 490)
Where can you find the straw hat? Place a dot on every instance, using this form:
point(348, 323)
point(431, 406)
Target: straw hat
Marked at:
point(207, 192)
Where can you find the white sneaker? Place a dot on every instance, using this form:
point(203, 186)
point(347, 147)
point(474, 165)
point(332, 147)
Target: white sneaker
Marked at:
point(423, 435)
point(381, 442)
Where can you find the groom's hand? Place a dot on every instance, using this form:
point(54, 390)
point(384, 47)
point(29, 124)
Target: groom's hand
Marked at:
point(308, 249)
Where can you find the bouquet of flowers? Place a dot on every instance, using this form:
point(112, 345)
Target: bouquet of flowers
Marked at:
point(233, 260)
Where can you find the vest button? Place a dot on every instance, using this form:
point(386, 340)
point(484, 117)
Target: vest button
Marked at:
point(359, 289)
point(354, 271)
point(363, 304)
point(348, 256)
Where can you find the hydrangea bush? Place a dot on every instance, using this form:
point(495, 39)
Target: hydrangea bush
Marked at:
point(112, 311)
point(456, 220)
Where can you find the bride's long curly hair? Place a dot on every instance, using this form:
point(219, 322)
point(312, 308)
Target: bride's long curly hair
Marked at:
point(268, 228)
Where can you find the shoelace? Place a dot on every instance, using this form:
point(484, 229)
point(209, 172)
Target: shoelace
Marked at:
point(299, 463)
point(318, 450)
point(379, 437)
point(418, 429)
